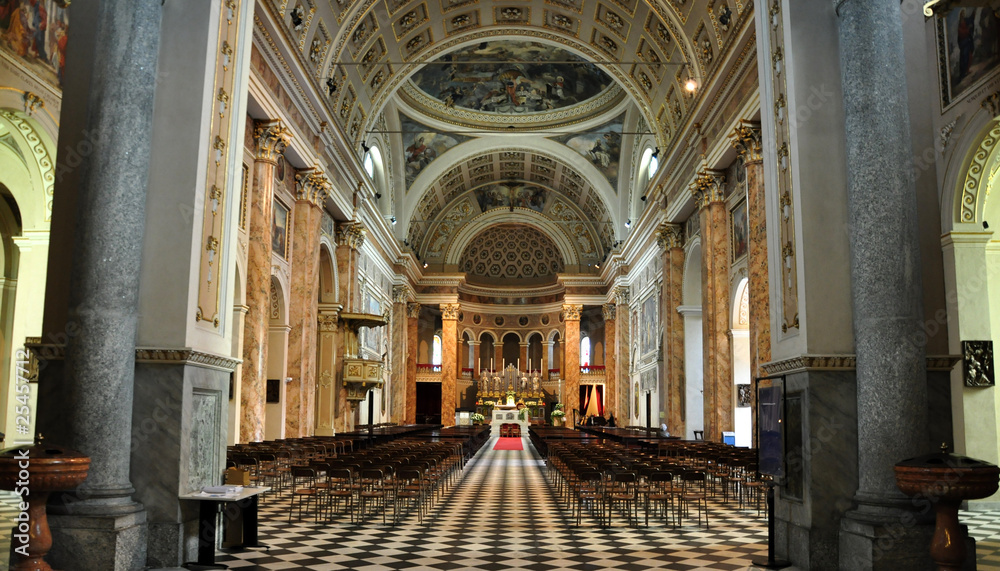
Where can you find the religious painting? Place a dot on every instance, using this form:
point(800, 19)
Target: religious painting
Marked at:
point(422, 145)
point(601, 146)
point(743, 395)
point(977, 363)
point(36, 31)
point(969, 49)
point(279, 229)
point(511, 77)
point(511, 195)
point(648, 328)
point(739, 230)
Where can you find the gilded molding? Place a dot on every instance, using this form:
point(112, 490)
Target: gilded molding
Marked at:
point(312, 185)
point(272, 137)
point(747, 140)
point(708, 187)
point(971, 186)
point(608, 310)
point(351, 234)
point(412, 310)
point(42, 157)
point(670, 236)
point(571, 312)
point(450, 310)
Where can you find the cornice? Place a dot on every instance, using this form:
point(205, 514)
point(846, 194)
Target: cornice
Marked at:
point(185, 356)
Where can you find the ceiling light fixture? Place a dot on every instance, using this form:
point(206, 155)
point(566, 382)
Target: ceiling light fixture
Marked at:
point(656, 152)
point(628, 223)
point(425, 265)
point(643, 198)
point(392, 219)
point(378, 196)
point(365, 147)
point(691, 84)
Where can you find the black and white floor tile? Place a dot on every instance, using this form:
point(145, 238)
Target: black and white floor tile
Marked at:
point(503, 515)
point(985, 527)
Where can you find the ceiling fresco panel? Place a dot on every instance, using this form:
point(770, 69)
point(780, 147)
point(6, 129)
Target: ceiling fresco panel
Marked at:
point(422, 145)
point(601, 146)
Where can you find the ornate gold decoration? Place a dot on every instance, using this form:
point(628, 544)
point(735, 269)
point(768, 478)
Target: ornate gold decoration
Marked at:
point(622, 295)
point(31, 101)
point(327, 321)
point(401, 293)
point(352, 234)
point(413, 310)
point(971, 186)
point(747, 140)
point(571, 312)
point(450, 310)
point(272, 138)
point(41, 154)
point(312, 185)
point(608, 310)
point(670, 236)
point(708, 187)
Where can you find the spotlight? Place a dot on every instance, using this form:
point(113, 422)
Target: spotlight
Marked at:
point(598, 266)
point(691, 85)
point(643, 198)
point(986, 225)
point(628, 223)
point(425, 265)
point(365, 147)
point(656, 152)
point(393, 220)
point(378, 196)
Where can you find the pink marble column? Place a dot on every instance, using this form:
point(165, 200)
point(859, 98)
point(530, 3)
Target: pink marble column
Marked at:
point(350, 238)
point(449, 361)
point(399, 348)
point(670, 237)
point(622, 353)
point(571, 367)
point(718, 378)
point(312, 188)
point(523, 357)
point(475, 360)
point(271, 139)
point(328, 365)
point(412, 320)
point(610, 371)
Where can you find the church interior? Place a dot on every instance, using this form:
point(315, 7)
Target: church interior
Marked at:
point(747, 240)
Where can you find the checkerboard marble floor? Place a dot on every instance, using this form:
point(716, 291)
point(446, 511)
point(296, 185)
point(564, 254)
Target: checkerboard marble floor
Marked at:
point(503, 515)
point(985, 527)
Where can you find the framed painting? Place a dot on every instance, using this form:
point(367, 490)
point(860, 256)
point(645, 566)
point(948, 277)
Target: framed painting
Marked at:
point(37, 32)
point(968, 50)
point(647, 339)
point(279, 230)
point(739, 230)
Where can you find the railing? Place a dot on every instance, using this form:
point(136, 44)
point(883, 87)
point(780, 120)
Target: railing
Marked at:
point(428, 368)
point(553, 375)
point(587, 369)
point(466, 373)
point(592, 374)
point(428, 373)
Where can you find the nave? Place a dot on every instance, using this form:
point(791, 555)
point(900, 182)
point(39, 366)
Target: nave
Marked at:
point(503, 514)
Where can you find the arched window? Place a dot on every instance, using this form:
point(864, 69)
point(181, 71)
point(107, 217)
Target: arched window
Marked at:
point(585, 352)
point(436, 351)
point(369, 165)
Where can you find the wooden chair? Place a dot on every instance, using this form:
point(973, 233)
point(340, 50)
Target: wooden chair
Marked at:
point(303, 490)
point(622, 488)
point(694, 493)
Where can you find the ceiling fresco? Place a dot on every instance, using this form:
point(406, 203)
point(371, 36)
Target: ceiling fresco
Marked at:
point(422, 144)
point(601, 146)
point(511, 77)
point(511, 195)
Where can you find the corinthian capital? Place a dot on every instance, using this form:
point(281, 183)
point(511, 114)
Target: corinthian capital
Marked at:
point(621, 295)
point(747, 140)
point(608, 309)
point(272, 137)
point(351, 234)
point(708, 187)
point(312, 185)
point(670, 236)
point(450, 310)
point(413, 310)
point(400, 293)
point(571, 312)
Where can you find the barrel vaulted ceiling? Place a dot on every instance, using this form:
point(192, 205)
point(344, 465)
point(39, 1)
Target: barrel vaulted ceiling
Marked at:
point(530, 112)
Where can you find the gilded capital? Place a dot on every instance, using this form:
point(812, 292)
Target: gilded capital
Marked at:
point(413, 310)
point(400, 293)
point(450, 310)
point(351, 234)
point(747, 140)
point(708, 187)
point(312, 185)
point(670, 236)
point(272, 137)
point(621, 295)
point(608, 309)
point(571, 312)
point(327, 321)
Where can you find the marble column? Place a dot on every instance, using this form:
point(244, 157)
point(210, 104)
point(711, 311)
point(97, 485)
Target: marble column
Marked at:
point(571, 366)
point(718, 379)
point(312, 188)
point(412, 320)
point(622, 354)
point(886, 287)
point(498, 354)
point(91, 404)
point(350, 239)
point(399, 348)
point(449, 362)
point(271, 138)
point(670, 238)
point(546, 348)
point(327, 365)
point(475, 359)
point(610, 371)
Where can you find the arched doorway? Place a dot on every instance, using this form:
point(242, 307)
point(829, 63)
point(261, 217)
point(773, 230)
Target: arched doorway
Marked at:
point(693, 360)
point(743, 421)
point(277, 363)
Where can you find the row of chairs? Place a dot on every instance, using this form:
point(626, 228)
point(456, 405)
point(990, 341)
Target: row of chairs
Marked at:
point(510, 430)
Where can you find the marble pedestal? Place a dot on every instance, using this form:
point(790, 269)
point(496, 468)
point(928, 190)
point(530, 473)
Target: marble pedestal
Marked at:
point(509, 416)
point(101, 543)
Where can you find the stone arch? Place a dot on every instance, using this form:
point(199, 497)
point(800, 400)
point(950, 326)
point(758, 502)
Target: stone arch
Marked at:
point(328, 291)
point(692, 273)
point(740, 304)
point(523, 216)
point(28, 168)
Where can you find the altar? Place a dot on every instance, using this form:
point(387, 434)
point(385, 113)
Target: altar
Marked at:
point(504, 415)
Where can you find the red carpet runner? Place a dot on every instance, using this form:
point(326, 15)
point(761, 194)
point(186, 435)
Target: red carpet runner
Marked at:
point(508, 443)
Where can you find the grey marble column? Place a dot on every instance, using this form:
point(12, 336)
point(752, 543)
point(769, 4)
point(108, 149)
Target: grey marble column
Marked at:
point(885, 278)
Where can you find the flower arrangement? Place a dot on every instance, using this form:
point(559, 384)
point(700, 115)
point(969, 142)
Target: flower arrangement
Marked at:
point(558, 412)
point(522, 414)
point(476, 418)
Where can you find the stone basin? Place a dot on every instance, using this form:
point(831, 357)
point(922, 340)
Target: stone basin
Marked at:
point(50, 469)
point(946, 480)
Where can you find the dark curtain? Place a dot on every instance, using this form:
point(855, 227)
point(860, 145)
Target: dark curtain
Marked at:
point(600, 400)
point(584, 398)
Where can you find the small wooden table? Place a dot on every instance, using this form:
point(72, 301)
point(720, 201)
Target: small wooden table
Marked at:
point(208, 511)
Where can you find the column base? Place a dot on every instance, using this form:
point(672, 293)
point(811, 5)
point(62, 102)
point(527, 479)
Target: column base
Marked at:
point(172, 544)
point(99, 543)
point(882, 541)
